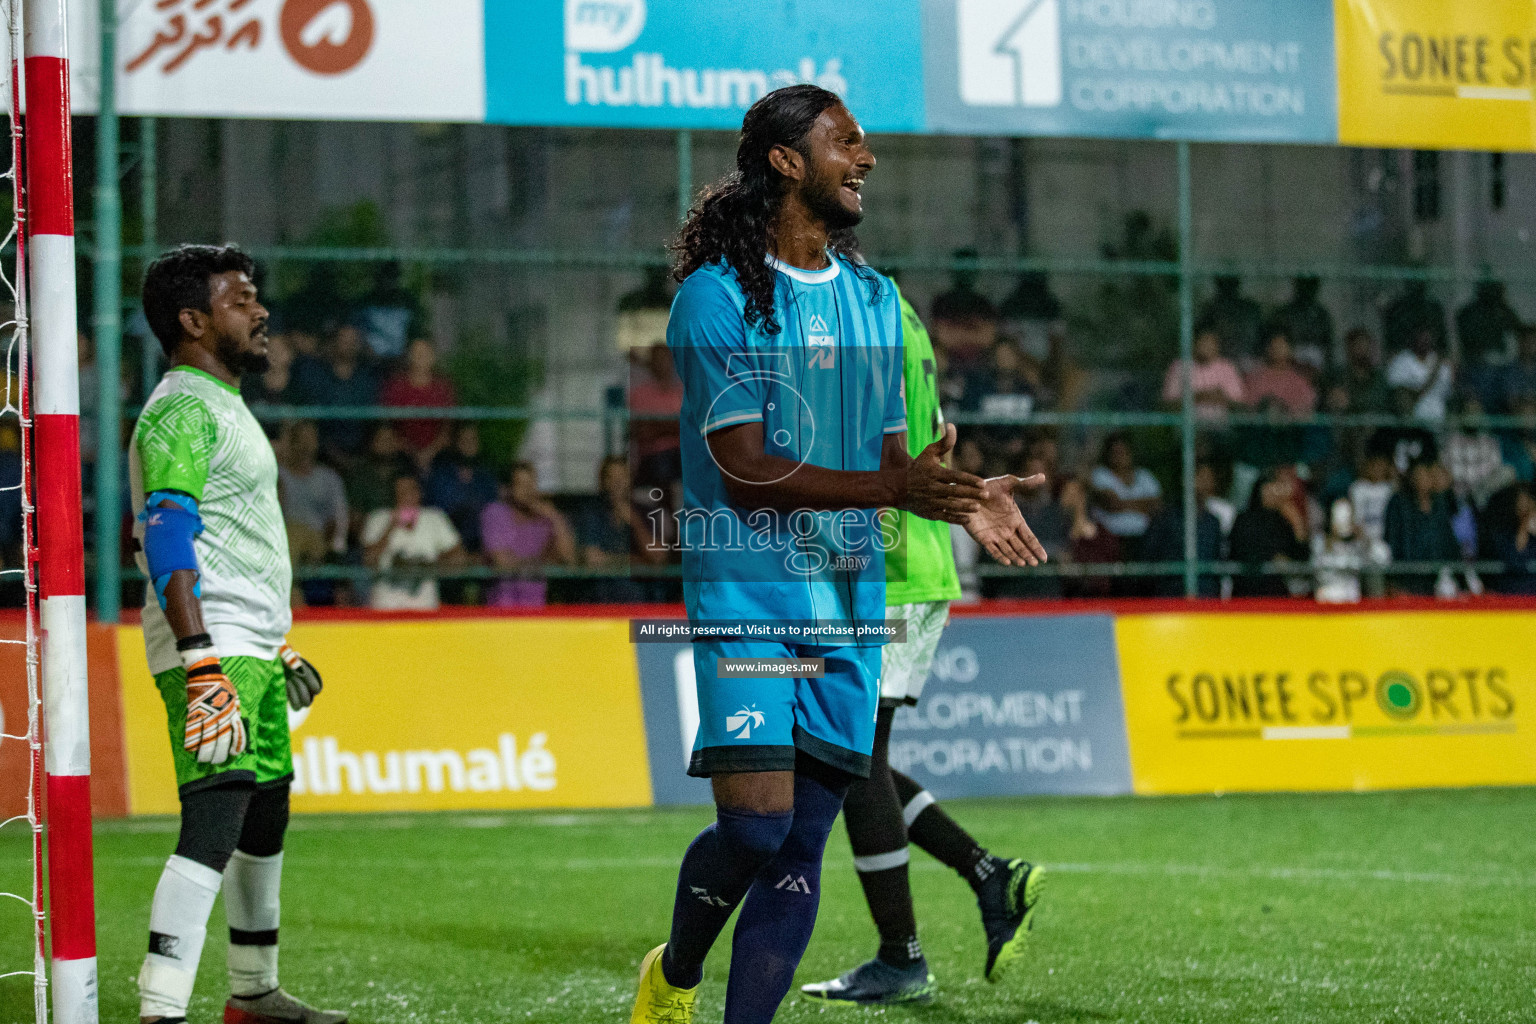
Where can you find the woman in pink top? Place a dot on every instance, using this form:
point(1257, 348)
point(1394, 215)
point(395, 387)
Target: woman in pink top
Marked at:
point(1278, 382)
point(1214, 380)
point(524, 532)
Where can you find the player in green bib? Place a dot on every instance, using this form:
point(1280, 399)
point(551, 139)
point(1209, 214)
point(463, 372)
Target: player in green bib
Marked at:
point(213, 544)
point(885, 811)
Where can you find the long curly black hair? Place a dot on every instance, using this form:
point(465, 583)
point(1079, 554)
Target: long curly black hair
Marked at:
point(733, 220)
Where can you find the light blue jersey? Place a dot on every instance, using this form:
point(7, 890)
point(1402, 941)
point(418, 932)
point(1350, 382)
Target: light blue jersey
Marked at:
point(827, 389)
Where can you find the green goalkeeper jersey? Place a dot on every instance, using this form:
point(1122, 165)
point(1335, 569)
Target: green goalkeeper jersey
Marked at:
point(196, 436)
point(921, 566)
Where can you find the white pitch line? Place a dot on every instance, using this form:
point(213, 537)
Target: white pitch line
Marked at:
point(1195, 871)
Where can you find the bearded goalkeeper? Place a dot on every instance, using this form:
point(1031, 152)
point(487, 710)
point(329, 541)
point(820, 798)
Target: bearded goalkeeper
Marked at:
point(213, 545)
point(885, 810)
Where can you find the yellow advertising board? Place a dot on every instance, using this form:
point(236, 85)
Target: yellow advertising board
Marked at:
point(1225, 702)
point(1436, 74)
point(438, 714)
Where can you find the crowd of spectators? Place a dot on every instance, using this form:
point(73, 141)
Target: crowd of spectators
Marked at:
point(410, 513)
point(1408, 470)
point(413, 511)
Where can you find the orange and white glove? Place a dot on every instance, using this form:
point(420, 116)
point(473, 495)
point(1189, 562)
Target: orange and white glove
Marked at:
point(215, 730)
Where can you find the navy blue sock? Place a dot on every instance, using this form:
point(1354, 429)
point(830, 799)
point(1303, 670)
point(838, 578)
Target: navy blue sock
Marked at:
point(780, 911)
point(717, 871)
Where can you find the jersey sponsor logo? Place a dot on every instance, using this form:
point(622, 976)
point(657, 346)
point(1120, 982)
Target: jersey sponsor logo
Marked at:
point(823, 344)
point(740, 725)
point(792, 884)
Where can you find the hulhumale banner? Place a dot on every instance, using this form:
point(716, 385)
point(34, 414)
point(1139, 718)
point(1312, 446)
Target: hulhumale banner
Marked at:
point(1187, 69)
point(991, 722)
point(697, 64)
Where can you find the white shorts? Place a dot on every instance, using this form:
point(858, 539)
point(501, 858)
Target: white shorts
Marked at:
point(904, 667)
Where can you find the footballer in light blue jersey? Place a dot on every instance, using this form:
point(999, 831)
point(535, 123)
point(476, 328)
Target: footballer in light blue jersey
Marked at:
point(827, 390)
point(793, 438)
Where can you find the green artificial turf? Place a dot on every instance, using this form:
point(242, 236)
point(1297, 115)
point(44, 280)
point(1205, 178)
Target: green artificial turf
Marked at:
point(1383, 907)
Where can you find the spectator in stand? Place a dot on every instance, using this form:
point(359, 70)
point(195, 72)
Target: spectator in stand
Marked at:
point(1487, 327)
point(1124, 495)
point(1418, 528)
point(655, 391)
point(964, 328)
point(461, 485)
point(1509, 535)
point(1006, 385)
point(611, 534)
point(1277, 384)
point(1235, 317)
point(419, 385)
point(1165, 543)
point(342, 378)
point(1215, 381)
point(1052, 525)
point(1333, 451)
point(1208, 491)
point(1370, 494)
point(1361, 376)
point(523, 533)
point(1406, 441)
point(314, 508)
point(1412, 311)
point(405, 541)
point(1517, 381)
point(1271, 531)
point(1519, 445)
point(1423, 371)
point(314, 499)
point(370, 480)
point(1474, 457)
point(1092, 544)
point(1340, 554)
point(274, 386)
point(1308, 324)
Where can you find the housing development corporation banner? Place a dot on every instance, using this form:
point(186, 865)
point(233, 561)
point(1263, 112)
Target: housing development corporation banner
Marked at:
point(1419, 73)
point(1013, 707)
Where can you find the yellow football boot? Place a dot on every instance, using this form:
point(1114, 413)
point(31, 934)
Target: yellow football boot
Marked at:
point(659, 1002)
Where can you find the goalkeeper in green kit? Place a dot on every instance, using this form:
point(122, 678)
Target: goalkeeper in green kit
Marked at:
point(214, 547)
point(883, 812)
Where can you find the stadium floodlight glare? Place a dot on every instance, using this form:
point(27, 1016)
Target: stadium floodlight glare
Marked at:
point(43, 392)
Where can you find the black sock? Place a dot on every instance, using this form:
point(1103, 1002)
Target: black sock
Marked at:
point(878, 836)
point(779, 913)
point(716, 873)
point(939, 835)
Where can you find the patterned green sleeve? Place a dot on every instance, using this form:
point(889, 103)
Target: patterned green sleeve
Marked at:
point(175, 440)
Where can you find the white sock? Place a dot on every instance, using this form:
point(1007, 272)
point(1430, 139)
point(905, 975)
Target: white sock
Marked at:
point(178, 924)
point(251, 904)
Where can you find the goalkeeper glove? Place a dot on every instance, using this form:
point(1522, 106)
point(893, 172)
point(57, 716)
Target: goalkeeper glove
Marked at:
point(303, 681)
point(215, 731)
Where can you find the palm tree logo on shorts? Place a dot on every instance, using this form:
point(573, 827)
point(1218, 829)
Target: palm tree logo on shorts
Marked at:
point(740, 724)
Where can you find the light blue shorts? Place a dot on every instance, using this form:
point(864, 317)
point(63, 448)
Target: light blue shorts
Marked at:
point(755, 724)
